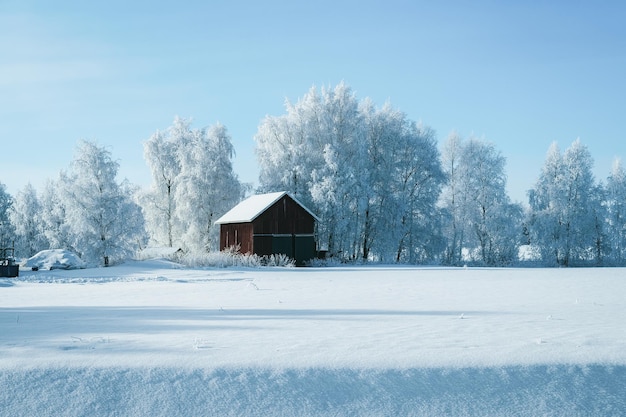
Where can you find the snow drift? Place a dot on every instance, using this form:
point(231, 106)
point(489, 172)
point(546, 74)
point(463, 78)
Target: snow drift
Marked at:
point(567, 391)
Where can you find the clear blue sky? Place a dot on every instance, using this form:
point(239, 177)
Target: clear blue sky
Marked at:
point(518, 74)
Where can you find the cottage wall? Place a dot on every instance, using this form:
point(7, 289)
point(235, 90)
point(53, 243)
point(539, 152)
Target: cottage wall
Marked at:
point(237, 234)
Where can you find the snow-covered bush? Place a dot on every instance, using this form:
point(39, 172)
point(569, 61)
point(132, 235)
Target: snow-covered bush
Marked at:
point(327, 262)
point(277, 260)
point(232, 258)
point(171, 254)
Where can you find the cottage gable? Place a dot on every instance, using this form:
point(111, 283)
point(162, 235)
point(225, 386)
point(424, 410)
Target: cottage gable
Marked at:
point(254, 206)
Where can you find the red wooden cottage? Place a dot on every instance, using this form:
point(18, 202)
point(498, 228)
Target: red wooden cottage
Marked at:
point(266, 224)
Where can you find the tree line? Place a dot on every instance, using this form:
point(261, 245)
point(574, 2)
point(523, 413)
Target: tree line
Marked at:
point(382, 188)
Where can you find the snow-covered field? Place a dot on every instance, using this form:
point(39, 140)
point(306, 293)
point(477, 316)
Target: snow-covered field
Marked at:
point(150, 338)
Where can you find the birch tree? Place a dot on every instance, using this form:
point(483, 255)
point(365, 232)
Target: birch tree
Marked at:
point(26, 218)
point(6, 228)
point(371, 175)
point(453, 201)
point(310, 152)
point(162, 154)
point(547, 203)
point(208, 187)
point(482, 219)
point(406, 177)
point(56, 229)
point(193, 184)
point(104, 223)
point(563, 212)
point(337, 180)
point(616, 213)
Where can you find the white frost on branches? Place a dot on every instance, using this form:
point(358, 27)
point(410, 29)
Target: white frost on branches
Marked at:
point(193, 184)
point(371, 175)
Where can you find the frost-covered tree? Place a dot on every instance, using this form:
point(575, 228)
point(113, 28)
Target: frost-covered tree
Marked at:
point(481, 218)
point(310, 152)
point(547, 207)
point(581, 200)
point(103, 220)
point(405, 182)
point(453, 201)
point(495, 221)
point(615, 204)
point(208, 186)
point(193, 184)
point(289, 147)
point(601, 248)
point(162, 154)
point(335, 156)
point(564, 210)
point(6, 228)
point(56, 229)
point(26, 217)
point(370, 174)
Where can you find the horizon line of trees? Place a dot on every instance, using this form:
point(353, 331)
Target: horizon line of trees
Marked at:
point(383, 190)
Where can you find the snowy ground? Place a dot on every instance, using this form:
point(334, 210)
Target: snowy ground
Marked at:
point(149, 338)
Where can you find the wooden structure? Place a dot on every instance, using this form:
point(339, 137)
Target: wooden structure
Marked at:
point(268, 224)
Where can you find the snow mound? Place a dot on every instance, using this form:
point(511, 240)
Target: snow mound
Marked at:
point(55, 259)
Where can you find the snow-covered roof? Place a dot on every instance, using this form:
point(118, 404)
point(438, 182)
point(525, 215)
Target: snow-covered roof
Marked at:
point(250, 208)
